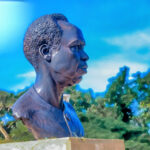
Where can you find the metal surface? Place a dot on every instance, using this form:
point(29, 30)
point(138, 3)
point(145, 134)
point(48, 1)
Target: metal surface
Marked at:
point(55, 48)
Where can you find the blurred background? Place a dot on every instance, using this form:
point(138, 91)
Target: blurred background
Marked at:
point(113, 99)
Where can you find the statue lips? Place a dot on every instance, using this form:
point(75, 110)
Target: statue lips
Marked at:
point(82, 69)
point(80, 72)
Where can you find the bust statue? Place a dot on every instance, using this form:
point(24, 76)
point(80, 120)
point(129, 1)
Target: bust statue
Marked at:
point(55, 48)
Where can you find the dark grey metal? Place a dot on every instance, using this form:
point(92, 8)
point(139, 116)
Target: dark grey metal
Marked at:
point(55, 48)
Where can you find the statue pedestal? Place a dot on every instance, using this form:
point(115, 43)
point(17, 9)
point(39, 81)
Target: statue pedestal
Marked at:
point(66, 144)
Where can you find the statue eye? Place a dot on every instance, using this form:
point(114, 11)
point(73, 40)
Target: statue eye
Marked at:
point(80, 47)
point(76, 47)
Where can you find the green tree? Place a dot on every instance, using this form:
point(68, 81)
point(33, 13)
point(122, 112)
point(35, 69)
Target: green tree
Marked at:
point(141, 86)
point(80, 100)
point(121, 95)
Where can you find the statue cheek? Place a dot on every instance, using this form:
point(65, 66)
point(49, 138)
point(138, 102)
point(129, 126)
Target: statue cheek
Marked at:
point(75, 57)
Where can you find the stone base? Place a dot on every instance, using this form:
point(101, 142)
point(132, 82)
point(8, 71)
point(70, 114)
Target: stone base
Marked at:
point(66, 144)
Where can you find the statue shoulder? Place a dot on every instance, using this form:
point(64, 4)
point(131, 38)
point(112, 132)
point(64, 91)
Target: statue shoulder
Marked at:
point(22, 105)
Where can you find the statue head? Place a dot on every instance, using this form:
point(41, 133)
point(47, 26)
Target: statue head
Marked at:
point(56, 47)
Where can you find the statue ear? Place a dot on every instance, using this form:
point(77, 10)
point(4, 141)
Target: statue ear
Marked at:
point(45, 52)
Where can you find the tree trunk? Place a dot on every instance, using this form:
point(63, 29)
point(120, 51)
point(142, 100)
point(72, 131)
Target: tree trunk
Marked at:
point(5, 134)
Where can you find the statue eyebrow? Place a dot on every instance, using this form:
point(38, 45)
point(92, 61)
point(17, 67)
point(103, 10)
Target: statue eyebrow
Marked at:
point(76, 42)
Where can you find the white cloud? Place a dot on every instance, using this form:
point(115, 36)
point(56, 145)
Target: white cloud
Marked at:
point(135, 40)
point(100, 71)
point(30, 74)
point(28, 79)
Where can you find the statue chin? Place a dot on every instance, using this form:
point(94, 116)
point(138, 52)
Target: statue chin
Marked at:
point(77, 80)
point(74, 81)
point(65, 81)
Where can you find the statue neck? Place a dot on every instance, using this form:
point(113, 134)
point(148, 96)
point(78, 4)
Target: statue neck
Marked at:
point(48, 89)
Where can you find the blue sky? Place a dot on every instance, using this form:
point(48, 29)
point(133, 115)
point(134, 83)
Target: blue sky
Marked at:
point(117, 33)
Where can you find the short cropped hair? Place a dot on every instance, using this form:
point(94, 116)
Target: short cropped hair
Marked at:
point(44, 30)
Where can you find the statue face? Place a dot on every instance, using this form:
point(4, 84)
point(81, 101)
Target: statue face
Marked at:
point(69, 63)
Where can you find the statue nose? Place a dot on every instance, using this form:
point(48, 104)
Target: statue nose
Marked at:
point(84, 56)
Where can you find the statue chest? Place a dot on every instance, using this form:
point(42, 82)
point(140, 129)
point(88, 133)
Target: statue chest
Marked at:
point(47, 123)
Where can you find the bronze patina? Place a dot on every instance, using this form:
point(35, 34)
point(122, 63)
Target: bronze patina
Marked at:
point(55, 48)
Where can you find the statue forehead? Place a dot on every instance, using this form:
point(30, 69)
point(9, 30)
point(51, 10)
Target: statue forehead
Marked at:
point(71, 33)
